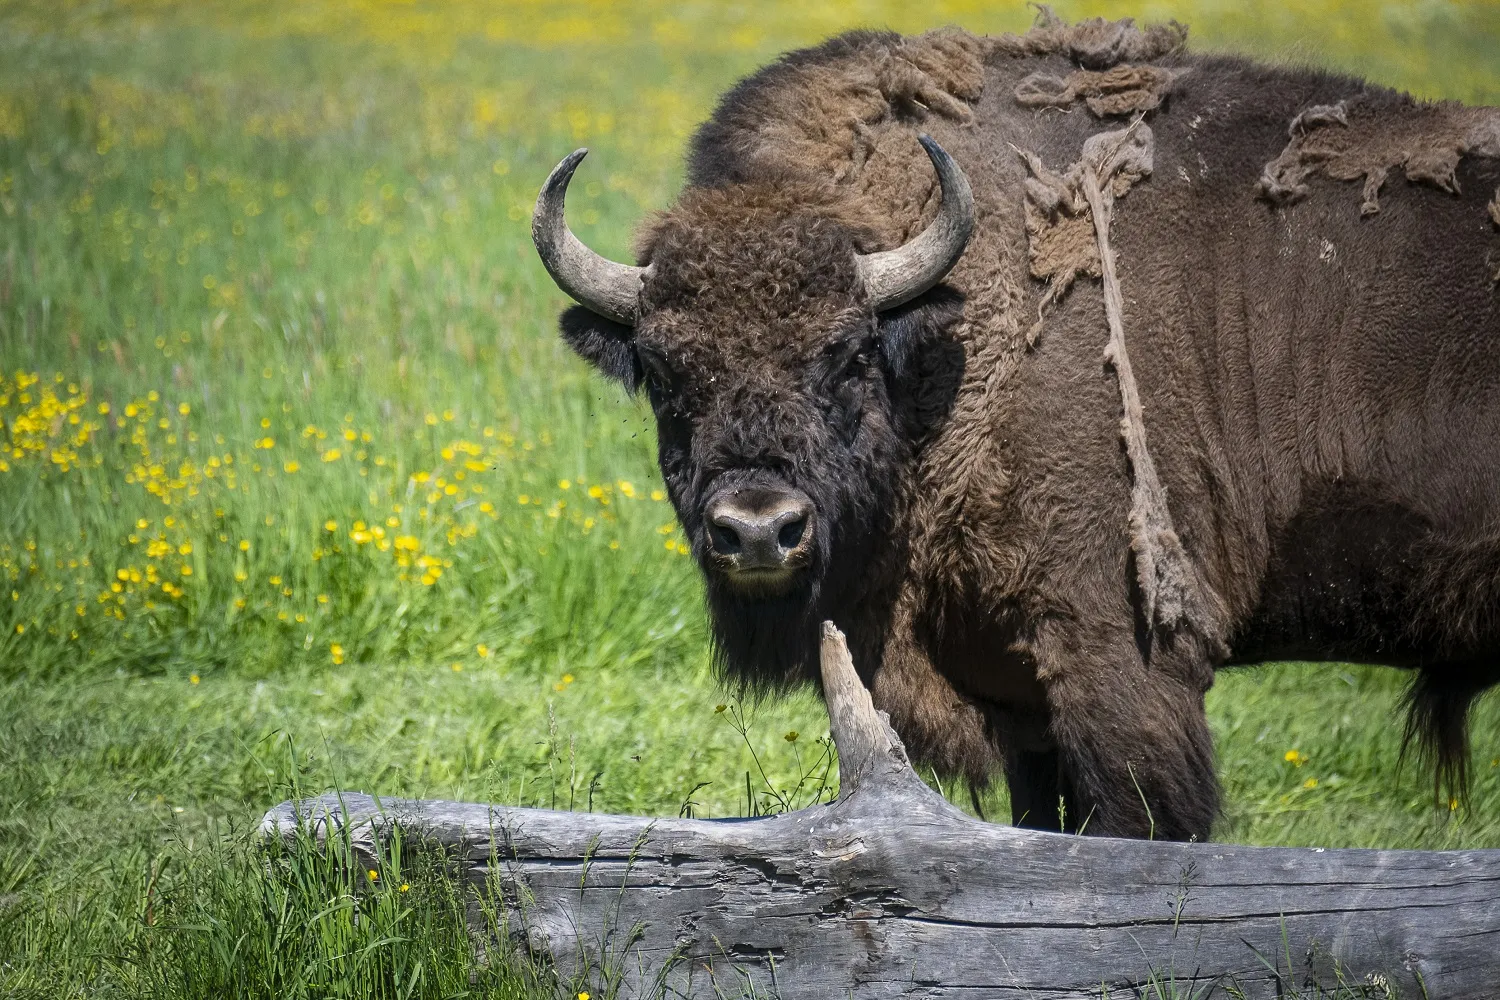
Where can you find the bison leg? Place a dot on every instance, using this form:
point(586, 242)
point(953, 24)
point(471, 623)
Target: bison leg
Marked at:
point(1133, 736)
point(1040, 796)
point(942, 728)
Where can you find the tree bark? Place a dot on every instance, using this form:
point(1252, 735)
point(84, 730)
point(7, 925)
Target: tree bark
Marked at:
point(891, 891)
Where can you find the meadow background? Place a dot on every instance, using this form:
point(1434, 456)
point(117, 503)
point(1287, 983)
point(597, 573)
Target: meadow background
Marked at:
point(299, 489)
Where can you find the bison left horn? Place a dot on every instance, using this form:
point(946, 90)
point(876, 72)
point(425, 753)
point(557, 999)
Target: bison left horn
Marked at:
point(612, 290)
point(895, 277)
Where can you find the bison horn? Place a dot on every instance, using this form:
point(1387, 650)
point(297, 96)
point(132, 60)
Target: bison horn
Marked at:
point(608, 288)
point(894, 277)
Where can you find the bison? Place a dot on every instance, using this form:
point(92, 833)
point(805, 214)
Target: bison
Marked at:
point(1062, 369)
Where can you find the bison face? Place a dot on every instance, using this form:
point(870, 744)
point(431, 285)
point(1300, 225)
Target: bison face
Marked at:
point(778, 359)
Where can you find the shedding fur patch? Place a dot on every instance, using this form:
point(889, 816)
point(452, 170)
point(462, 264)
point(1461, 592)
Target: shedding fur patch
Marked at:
point(826, 119)
point(1122, 90)
point(1093, 44)
point(1060, 225)
point(1353, 140)
point(1072, 212)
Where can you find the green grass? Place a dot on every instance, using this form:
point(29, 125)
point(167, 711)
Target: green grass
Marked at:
point(287, 248)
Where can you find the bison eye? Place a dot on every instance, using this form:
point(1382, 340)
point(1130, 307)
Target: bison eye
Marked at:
point(659, 374)
point(850, 358)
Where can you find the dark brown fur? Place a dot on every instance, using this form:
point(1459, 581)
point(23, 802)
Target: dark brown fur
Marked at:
point(1321, 390)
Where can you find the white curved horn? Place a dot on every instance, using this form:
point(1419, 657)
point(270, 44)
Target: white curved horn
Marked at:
point(612, 290)
point(894, 277)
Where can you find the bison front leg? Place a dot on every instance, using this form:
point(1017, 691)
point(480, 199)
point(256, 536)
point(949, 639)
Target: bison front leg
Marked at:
point(1132, 735)
point(942, 728)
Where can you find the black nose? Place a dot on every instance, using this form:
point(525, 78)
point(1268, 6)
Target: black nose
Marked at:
point(760, 528)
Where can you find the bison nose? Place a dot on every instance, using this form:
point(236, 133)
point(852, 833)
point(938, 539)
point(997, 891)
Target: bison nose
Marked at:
point(760, 528)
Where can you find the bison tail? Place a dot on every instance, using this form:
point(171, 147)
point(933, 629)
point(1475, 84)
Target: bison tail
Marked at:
point(1437, 724)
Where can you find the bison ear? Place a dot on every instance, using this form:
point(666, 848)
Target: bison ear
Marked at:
point(605, 344)
point(908, 331)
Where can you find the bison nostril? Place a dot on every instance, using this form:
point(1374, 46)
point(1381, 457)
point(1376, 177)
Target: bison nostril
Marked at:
point(758, 530)
point(726, 540)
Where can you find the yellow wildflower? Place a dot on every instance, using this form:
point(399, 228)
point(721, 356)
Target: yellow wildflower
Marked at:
point(337, 652)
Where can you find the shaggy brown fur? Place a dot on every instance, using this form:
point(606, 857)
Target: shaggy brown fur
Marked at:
point(1118, 91)
point(1321, 390)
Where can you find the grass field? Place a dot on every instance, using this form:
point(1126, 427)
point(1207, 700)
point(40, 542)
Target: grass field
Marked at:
point(300, 490)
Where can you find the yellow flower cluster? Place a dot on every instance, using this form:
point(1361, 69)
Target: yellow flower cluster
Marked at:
point(46, 427)
point(208, 525)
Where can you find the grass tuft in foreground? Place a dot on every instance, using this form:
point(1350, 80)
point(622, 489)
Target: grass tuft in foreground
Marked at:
point(229, 916)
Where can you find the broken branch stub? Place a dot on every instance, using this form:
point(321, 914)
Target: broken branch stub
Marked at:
point(870, 752)
point(893, 892)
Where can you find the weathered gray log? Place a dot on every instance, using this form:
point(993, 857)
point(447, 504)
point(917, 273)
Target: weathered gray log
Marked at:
point(891, 891)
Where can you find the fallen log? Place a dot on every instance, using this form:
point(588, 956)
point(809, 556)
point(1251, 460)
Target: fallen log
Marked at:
point(891, 891)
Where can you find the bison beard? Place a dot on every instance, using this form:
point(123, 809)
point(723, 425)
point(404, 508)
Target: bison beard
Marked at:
point(1029, 587)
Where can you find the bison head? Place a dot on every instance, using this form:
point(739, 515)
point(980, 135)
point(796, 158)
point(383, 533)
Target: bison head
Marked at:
point(782, 363)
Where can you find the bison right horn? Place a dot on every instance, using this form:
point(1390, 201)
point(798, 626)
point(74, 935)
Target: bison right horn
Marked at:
point(612, 290)
point(895, 277)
